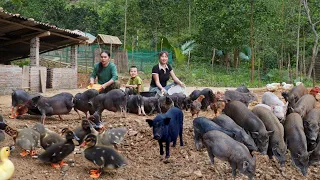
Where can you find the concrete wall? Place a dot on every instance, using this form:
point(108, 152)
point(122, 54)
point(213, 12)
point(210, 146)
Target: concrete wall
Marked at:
point(63, 78)
point(34, 83)
point(10, 78)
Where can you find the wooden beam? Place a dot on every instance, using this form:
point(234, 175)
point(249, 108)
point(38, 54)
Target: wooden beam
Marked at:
point(25, 38)
point(41, 44)
point(41, 30)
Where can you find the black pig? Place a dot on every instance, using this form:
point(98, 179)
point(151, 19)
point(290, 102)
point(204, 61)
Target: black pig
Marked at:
point(151, 104)
point(297, 142)
point(81, 100)
point(114, 100)
point(56, 105)
point(240, 134)
point(135, 104)
point(277, 147)
point(241, 115)
point(311, 128)
point(165, 103)
point(201, 125)
point(227, 149)
point(166, 128)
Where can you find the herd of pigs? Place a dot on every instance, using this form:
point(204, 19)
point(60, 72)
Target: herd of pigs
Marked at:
point(270, 128)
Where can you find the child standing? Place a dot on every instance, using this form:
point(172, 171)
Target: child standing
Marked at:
point(135, 84)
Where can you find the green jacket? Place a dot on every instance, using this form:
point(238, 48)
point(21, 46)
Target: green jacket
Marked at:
point(107, 73)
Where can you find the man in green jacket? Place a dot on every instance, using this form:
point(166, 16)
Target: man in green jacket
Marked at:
point(106, 72)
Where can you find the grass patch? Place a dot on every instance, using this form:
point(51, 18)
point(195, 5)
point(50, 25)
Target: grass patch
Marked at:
point(205, 75)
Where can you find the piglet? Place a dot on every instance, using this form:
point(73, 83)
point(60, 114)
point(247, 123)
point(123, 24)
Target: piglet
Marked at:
point(21, 101)
point(278, 108)
point(151, 105)
point(135, 104)
point(225, 148)
point(304, 105)
point(297, 142)
point(114, 100)
point(245, 98)
point(81, 100)
point(240, 134)
point(201, 125)
point(55, 105)
point(311, 128)
point(165, 103)
point(166, 128)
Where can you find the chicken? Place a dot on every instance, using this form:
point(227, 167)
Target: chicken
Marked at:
point(286, 87)
point(314, 91)
point(218, 103)
point(272, 87)
point(196, 106)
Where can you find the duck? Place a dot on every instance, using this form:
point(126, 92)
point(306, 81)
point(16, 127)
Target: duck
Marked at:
point(6, 166)
point(2, 135)
point(82, 130)
point(27, 139)
point(102, 156)
point(57, 152)
point(47, 137)
point(110, 137)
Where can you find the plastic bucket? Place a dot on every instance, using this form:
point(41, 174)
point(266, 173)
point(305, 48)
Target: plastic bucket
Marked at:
point(176, 89)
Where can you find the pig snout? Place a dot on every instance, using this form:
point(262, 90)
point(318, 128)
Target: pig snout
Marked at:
point(157, 137)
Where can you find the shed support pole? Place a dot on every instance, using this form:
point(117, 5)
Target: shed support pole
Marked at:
point(74, 57)
point(34, 51)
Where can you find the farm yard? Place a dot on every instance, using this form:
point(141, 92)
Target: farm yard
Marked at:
point(60, 47)
point(140, 150)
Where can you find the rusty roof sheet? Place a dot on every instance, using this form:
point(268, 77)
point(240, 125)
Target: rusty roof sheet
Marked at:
point(16, 32)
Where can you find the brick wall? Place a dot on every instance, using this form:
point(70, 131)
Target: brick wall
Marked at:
point(10, 78)
point(35, 85)
point(63, 78)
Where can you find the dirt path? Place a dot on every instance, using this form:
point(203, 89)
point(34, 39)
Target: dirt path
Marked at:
point(141, 151)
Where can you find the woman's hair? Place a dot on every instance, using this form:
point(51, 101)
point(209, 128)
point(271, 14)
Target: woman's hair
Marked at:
point(100, 64)
point(107, 52)
point(162, 53)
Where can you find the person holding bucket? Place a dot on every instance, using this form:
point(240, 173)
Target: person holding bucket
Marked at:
point(161, 73)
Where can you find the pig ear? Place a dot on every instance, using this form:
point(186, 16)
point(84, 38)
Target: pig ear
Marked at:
point(166, 120)
point(254, 135)
point(90, 103)
point(245, 164)
point(149, 121)
point(270, 133)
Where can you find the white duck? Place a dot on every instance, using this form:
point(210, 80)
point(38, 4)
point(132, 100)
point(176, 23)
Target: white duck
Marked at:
point(6, 166)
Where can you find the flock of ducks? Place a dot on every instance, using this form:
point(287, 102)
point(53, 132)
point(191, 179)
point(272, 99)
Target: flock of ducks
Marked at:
point(97, 145)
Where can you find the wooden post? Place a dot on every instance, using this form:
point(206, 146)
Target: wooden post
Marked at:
point(34, 51)
point(74, 57)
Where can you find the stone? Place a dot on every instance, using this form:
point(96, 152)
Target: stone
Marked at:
point(198, 173)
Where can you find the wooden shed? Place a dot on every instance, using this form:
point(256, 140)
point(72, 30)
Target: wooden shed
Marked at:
point(22, 37)
point(112, 43)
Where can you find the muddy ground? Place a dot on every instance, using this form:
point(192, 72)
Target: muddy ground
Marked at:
point(141, 151)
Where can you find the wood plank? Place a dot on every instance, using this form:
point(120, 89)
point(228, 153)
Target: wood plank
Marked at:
point(43, 80)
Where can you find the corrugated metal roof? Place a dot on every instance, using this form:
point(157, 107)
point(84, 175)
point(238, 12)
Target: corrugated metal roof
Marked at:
point(32, 22)
point(16, 32)
point(107, 39)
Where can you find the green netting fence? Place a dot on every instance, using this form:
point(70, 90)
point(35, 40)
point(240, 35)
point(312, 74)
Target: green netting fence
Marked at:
point(143, 59)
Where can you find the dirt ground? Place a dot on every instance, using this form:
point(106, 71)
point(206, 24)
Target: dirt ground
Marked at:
point(141, 151)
